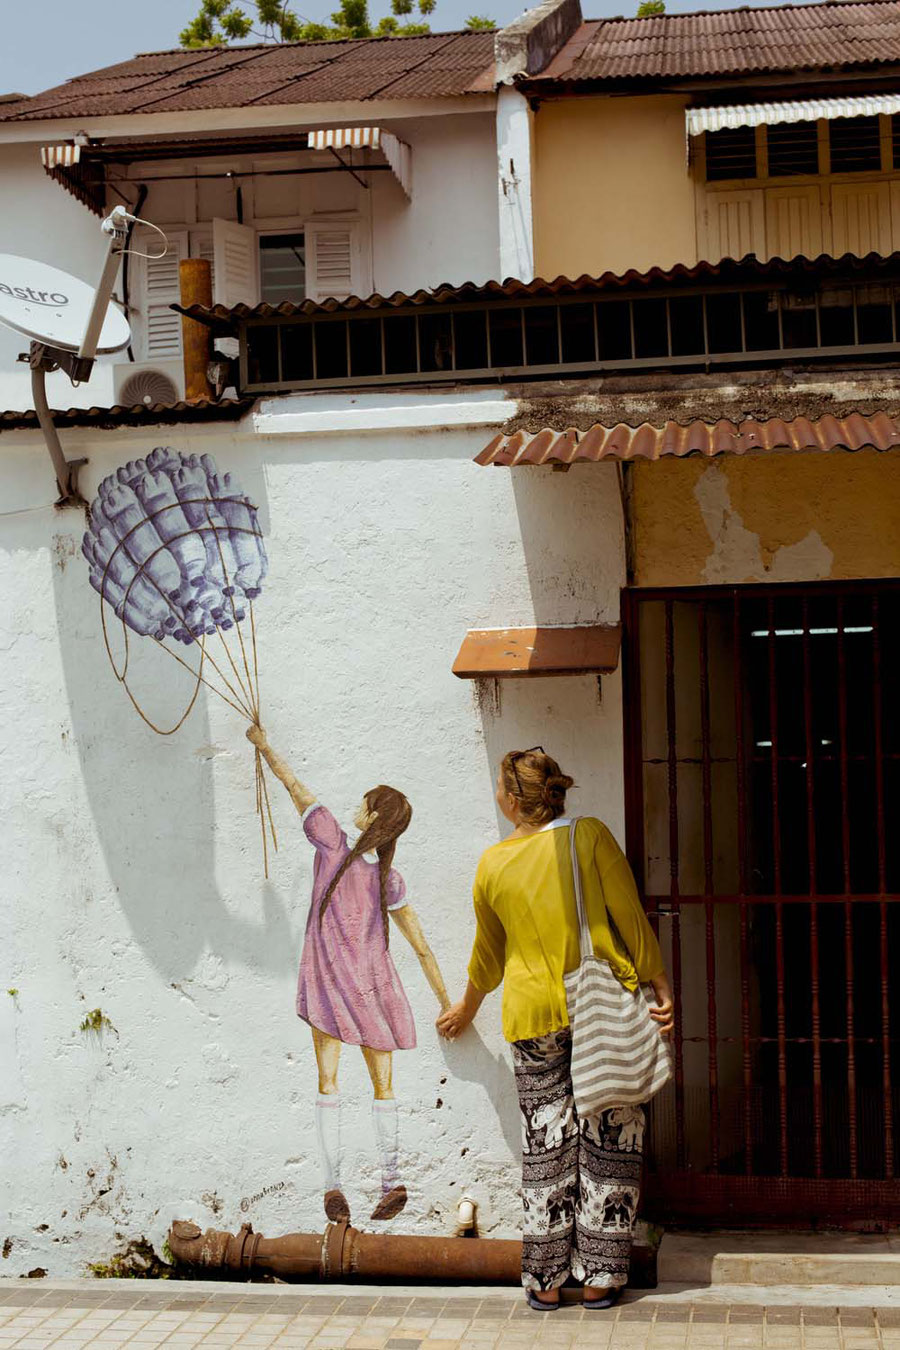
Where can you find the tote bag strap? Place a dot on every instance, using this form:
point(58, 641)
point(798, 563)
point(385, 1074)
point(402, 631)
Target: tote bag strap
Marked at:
point(584, 928)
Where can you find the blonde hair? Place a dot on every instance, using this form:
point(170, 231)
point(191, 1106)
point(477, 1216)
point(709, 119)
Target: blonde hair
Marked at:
point(537, 783)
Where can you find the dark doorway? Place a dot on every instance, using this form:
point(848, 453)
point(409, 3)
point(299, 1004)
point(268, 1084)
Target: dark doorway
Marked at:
point(763, 767)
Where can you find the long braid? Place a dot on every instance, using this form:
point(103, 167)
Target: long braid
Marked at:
point(385, 858)
point(392, 814)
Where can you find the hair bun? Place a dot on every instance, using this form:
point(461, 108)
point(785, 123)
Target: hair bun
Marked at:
point(555, 788)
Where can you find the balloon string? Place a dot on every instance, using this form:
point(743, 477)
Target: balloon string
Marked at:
point(255, 659)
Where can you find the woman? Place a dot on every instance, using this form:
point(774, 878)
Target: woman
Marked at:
point(348, 989)
point(581, 1178)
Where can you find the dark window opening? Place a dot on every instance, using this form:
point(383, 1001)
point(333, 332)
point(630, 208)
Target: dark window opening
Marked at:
point(730, 153)
point(855, 144)
point(793, 148)
point(723, 322)
point(436, 342)
point(282, 268)
point(651, 331)
point(614, 330)
point(798, 321)
point(470, 332)
point(399, 345)
point(331, 350)
point(365, 347)
point(541, 336)
point(506, 337)
point(577, 323)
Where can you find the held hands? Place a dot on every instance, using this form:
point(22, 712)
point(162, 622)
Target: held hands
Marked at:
point(453, 1021)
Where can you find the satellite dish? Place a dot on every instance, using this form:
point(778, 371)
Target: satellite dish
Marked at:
point(53, 307)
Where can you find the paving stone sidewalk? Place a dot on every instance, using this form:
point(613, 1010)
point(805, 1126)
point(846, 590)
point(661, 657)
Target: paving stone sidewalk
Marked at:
point(128, 1313)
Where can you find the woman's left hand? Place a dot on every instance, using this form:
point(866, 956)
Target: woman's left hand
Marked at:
point(664, 1012)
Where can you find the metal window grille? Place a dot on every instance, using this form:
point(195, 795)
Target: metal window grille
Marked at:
point(763, 773)
point(687, 327)
point(730, 153)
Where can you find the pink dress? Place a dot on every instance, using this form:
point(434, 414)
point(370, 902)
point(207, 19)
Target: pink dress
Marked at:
point(348, 985)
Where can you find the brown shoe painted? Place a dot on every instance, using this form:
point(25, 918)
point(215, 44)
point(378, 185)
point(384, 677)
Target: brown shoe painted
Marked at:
point(390, 1205)
point(336, 1207)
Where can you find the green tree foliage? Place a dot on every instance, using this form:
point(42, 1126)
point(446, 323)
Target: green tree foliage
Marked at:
point(647, 8)
point(222, 21)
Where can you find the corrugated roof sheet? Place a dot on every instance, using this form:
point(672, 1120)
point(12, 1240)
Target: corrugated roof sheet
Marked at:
point(728, 271)
point(730, 42)
point(854, 432)
point(299, 72)
point(157, 414)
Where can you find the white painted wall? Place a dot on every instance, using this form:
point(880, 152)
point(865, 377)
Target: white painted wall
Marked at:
point(132, 862)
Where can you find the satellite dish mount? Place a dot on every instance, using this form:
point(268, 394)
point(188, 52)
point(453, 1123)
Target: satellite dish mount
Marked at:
point(69, 324)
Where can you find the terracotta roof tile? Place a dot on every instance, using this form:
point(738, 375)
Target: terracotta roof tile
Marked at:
point(300, 72)
point(731, 42)
point(853, 432)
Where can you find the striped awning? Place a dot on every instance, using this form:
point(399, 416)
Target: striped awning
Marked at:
point(396, 152)
point(698, 120)
point(60, 156)
point(854, 432)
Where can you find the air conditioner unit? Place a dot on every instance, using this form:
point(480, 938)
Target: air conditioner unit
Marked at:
point(148, 382)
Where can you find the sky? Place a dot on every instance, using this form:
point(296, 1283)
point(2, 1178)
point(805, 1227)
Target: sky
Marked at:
point(48, 41)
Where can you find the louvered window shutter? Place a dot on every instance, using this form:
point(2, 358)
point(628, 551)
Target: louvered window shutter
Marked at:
point(158, 327)
point(202, 247)
point(235, 264)
point(336, 259)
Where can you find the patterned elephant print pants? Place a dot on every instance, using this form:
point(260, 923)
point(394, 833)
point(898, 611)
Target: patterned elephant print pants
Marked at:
point(580, 1178)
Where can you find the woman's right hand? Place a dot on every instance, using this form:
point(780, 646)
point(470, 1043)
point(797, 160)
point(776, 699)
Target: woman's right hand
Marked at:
point(454, 1020)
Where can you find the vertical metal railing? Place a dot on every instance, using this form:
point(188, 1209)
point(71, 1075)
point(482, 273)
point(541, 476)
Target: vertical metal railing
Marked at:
point(853, 1142)
point(672, 783)
point(881, 854)
point(744, 917)
point(812, 873)
point(708, 887)
point(775, 734)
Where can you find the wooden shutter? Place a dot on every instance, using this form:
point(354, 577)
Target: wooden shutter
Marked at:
point(731, 225)
point(860, 218)
point(793, 222)
point(336, 258)
point(158, 327)
point(235, 264)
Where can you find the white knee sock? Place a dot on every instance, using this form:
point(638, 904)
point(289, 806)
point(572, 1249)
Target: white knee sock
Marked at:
point(387, 1137)
point(328, 1133)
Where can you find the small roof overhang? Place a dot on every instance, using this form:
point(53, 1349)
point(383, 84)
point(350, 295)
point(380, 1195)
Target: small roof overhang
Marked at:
point(853, 432)
point(698, 120)
point(515, 653)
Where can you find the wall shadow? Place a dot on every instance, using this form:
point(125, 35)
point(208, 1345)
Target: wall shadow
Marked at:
point(151, 798)
point(470, 1060)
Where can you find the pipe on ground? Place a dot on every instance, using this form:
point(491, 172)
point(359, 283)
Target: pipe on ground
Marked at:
point(344, 1253)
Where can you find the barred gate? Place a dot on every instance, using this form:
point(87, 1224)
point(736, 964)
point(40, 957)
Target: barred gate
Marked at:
point(763, 816)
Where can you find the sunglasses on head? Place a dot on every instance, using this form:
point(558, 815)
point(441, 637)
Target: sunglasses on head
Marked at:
point(516, 756)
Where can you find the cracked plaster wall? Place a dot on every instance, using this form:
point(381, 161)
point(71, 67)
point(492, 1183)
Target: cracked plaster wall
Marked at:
point(133, 866)
point(787, 517)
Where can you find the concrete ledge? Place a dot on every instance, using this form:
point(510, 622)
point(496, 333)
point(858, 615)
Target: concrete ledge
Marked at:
point(772, 1259)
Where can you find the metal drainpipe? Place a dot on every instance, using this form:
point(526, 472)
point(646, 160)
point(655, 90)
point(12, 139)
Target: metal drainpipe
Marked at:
point(342, 1253)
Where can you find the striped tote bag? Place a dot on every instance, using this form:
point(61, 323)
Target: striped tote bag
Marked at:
point(618, 1055)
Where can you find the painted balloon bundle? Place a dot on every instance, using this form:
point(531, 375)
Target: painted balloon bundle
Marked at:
point(176, 552)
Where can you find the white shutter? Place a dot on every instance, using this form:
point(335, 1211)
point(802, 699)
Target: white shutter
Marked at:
point(158, 327)
point(336, 258)
point(235, 264)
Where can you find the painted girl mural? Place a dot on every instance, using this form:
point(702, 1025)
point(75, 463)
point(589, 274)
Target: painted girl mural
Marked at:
point(348, 988)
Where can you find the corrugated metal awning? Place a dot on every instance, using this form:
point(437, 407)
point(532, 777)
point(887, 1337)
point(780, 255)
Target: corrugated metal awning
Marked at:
point(854, 432)
point(698, 120)
point(514, 653)
point(396, 152)
point(57, 156)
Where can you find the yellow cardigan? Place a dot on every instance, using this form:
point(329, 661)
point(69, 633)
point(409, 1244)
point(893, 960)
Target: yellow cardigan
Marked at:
point(527, 931)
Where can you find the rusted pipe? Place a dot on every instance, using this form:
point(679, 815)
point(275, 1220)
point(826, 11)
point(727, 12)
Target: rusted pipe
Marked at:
point(344, 1253)
point(195, 284)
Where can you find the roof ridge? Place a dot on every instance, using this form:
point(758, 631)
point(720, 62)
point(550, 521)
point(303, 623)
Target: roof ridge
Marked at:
point(738, 9)
point(314, 42)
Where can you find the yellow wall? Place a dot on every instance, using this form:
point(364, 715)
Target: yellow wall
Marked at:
point(611, 189)
point(788, 517)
